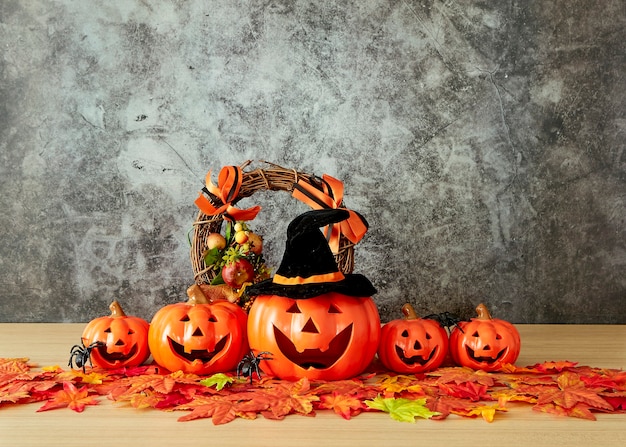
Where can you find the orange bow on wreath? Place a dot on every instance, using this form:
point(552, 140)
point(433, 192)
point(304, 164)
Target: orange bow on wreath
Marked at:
point(330, 197)
point(227, 190)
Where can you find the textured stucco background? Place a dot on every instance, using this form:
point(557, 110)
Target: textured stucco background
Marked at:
point(483, 141)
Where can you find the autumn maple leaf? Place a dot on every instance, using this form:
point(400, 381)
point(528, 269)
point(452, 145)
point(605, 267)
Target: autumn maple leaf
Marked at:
point(461, 375)
point(487, 412)
point(218, 408)
point(70, 397)
point(14, 365)
point(290, 397)
point(467, 390)
point(13, 394)
point(551, 367)
point(400, 409)
point(345, 405)
point(391, 385)
point(571, 392)
point(219, 380)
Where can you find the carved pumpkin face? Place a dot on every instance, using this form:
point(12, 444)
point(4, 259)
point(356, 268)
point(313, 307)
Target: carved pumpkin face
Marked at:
point(199, 337)
point(328, 337)
point(124, 338)
point(412, 345)
point(484, 343)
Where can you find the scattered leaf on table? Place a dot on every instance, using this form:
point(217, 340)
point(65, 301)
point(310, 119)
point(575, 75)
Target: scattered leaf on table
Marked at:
point(403, 410)
point(70, 397)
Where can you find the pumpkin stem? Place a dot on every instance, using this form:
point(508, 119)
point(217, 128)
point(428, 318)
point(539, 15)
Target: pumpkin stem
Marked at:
point(116, 310)
point(483, 312)
point(196, 296)
point(409, 312)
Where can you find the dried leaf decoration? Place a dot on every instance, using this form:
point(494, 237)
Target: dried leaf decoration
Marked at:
point(558, 388)
point(400, 409)
point(70, 397)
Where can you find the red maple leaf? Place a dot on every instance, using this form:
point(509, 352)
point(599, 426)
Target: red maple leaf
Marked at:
point(616, 399)
point(70, 397)
point(466, 390)
point(553, 367)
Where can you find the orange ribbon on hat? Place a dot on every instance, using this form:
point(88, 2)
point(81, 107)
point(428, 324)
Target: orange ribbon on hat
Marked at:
point(331, 197)
point(227, 189)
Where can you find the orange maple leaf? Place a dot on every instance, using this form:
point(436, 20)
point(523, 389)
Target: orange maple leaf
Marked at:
point(14, 365)
point(70, 397)
point(218, 408)
point(13, 394)
point(137, 384)
point(571, 392)
point(579, 410)
point(344, 405)
point(462, 374)
point(390, 385)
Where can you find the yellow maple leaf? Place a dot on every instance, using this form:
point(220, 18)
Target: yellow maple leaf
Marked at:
point(487, 412)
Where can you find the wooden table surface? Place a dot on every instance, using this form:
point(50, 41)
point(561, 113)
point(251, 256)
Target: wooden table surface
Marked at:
point(110, 425)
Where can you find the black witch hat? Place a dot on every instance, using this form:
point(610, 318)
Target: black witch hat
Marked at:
point(308, 268)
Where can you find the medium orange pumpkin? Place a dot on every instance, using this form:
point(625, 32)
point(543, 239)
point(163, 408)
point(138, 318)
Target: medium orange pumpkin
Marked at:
point(412, 345)
point(327, 337)
point(199, 336)
point(124, 339)
point(484, 343)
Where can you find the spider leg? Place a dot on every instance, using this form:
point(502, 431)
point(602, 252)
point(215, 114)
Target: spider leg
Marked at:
point(258, 372)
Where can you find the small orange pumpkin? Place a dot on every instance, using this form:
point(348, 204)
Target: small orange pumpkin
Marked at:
point(328, 337)
point(412, 345)
point(199, 336)
point(484, 343)
point(124, 338)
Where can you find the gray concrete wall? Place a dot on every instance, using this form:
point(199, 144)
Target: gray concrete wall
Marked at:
point(483, 141)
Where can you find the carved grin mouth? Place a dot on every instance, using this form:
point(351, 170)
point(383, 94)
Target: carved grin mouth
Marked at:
point(314, 357)
point(419, 359)
point(203, 355)
point(112, 357)
point(484, 359)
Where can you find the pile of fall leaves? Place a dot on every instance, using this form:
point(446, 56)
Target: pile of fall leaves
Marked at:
point(561, 388)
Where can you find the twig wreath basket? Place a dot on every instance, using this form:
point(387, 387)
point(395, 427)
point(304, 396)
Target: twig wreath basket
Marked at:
point(270, 177)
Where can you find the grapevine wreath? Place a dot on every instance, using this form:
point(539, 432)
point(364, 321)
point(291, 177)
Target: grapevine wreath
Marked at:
point(217, 203)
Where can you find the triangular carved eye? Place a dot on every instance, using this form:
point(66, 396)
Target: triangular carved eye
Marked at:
point(185, 318)
point(475, 334)
point(131, 332)
point(333, 309)
point(428, 336)
point(212, 319)
point(498, 337)
point(405, 333)
point(107, 330)
point(294, 309)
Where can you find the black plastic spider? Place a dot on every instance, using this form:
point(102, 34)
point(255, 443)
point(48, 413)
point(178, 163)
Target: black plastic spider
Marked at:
point(80, 354)
point(446, 320)
point(249, 364)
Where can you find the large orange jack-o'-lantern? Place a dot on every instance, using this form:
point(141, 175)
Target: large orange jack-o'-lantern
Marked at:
point(329, 337)
point(124, 339)
point(412, 345)
point(316, 321)
point(484, 342)
point(199, 336)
